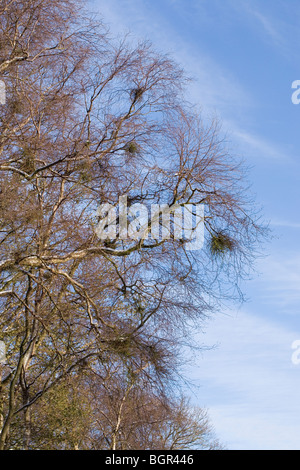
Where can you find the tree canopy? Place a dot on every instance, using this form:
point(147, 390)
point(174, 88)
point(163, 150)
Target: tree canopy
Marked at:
point(89, 119)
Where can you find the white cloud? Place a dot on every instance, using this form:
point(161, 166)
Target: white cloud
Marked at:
point(269, 27)
point(285, 223)
point(279, 283)
point(256, 146)
point(272, 432)
point(249, 383)
point(278, 26)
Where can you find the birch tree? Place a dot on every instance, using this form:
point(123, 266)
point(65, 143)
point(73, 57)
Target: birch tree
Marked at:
point(89, 119)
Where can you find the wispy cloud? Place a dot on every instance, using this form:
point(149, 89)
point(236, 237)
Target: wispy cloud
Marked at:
point(285, 223)
point(269, 27)
point(277, 30)
point(256, 146)
point(279, 284)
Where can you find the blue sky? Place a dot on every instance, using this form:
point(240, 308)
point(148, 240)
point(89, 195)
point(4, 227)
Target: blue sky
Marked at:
point(243, 57)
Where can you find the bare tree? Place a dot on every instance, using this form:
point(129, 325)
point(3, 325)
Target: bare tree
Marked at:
point(121, 411)
point(88, 120)
point(139, 418)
